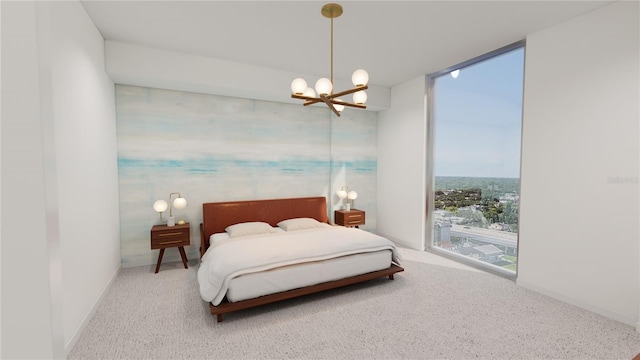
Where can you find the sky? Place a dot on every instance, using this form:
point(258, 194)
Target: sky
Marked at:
point(478, 119)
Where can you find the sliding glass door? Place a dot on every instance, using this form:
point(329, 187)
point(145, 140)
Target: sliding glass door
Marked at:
point(475, 126)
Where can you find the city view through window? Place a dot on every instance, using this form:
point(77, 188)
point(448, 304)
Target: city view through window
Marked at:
point(478, 218)
point(476, 121)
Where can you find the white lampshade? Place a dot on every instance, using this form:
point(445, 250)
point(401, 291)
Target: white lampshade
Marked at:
point(341, 194)
point(160, 206)
point(455, 73)
point(324, 86)
point(338, 106)
point(360, 77)
point(180, 203)
point(360, 97)
point(352, 195)
point(309, 92)
point(298, 86)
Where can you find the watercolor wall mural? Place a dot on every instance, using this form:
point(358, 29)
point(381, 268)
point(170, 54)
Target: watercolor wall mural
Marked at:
point(216, 148)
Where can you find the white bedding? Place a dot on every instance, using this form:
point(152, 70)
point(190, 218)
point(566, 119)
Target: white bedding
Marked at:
point(228, 258)
point(249, 286)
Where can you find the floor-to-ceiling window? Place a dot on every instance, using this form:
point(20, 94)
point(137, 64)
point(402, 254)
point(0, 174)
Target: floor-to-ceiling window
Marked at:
point(475, 123)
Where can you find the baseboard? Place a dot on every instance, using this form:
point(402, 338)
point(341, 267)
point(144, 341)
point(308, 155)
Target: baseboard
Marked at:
point(74, 339)
point(581, 304)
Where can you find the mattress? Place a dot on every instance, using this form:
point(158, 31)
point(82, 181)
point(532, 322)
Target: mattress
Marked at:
point(290, 277)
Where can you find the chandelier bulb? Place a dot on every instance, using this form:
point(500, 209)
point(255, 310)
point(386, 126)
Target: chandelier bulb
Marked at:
point(309, 92)
point(360, 97)
point(360, 77)
point(324, 86)
point(338, 106)
point(298, 86)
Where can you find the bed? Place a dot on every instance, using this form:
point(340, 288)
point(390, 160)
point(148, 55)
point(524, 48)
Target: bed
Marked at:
point(305, 254)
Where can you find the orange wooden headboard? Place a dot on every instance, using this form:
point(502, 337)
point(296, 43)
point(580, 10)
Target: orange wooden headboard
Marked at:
point(217, 216)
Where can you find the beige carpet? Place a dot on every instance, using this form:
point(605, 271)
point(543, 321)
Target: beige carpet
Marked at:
point(436, 309)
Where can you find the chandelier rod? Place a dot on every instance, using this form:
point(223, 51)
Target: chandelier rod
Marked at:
point(331, 52)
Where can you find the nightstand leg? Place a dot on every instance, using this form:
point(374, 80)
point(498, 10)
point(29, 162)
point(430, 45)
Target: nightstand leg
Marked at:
point(159, 260)
point(184, 256)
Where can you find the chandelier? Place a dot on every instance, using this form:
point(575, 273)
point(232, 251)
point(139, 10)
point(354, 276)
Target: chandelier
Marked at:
point(324, 86)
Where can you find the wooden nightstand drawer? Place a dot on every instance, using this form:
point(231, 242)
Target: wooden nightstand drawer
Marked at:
point(354, 217)
point(165, 243)
point(164, 236)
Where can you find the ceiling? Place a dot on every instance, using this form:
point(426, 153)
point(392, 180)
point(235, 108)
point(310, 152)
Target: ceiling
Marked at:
point(395, 41)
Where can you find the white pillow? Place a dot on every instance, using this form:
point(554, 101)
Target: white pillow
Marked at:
point(249, 228)
point(300, 224)
point(218, 237)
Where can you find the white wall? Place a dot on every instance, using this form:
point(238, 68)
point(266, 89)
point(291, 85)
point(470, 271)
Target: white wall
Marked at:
point(26, 296)
point(401, 165)
point(86, 164)
point(61, 237)
point(579, 204)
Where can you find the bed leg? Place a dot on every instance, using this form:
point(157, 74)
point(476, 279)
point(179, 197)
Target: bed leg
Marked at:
point(391, 277)
point(219, 316)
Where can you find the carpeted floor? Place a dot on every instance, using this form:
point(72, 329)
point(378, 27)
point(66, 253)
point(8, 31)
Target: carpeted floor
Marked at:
point(436, 309)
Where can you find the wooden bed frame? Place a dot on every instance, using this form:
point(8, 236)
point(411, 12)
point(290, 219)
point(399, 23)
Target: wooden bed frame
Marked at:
point(217, 216)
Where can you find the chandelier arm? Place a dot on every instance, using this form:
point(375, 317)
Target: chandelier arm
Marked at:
point(329, 104)
point(309, 100)
point(303, 97)
point(359, 106)
point(330, 98)
point(347, 92)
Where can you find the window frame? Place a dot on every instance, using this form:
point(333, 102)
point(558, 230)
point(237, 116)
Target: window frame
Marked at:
point(430, 176)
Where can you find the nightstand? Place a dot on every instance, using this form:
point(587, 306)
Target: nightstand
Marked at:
point(163, 236)
point(348, 218)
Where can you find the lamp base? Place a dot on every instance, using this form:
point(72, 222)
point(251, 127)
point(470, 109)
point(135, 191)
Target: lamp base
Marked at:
point(171, 221)
point(348, 207)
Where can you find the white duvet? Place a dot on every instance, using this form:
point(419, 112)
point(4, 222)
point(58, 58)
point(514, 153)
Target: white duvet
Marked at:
point(233, 257)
